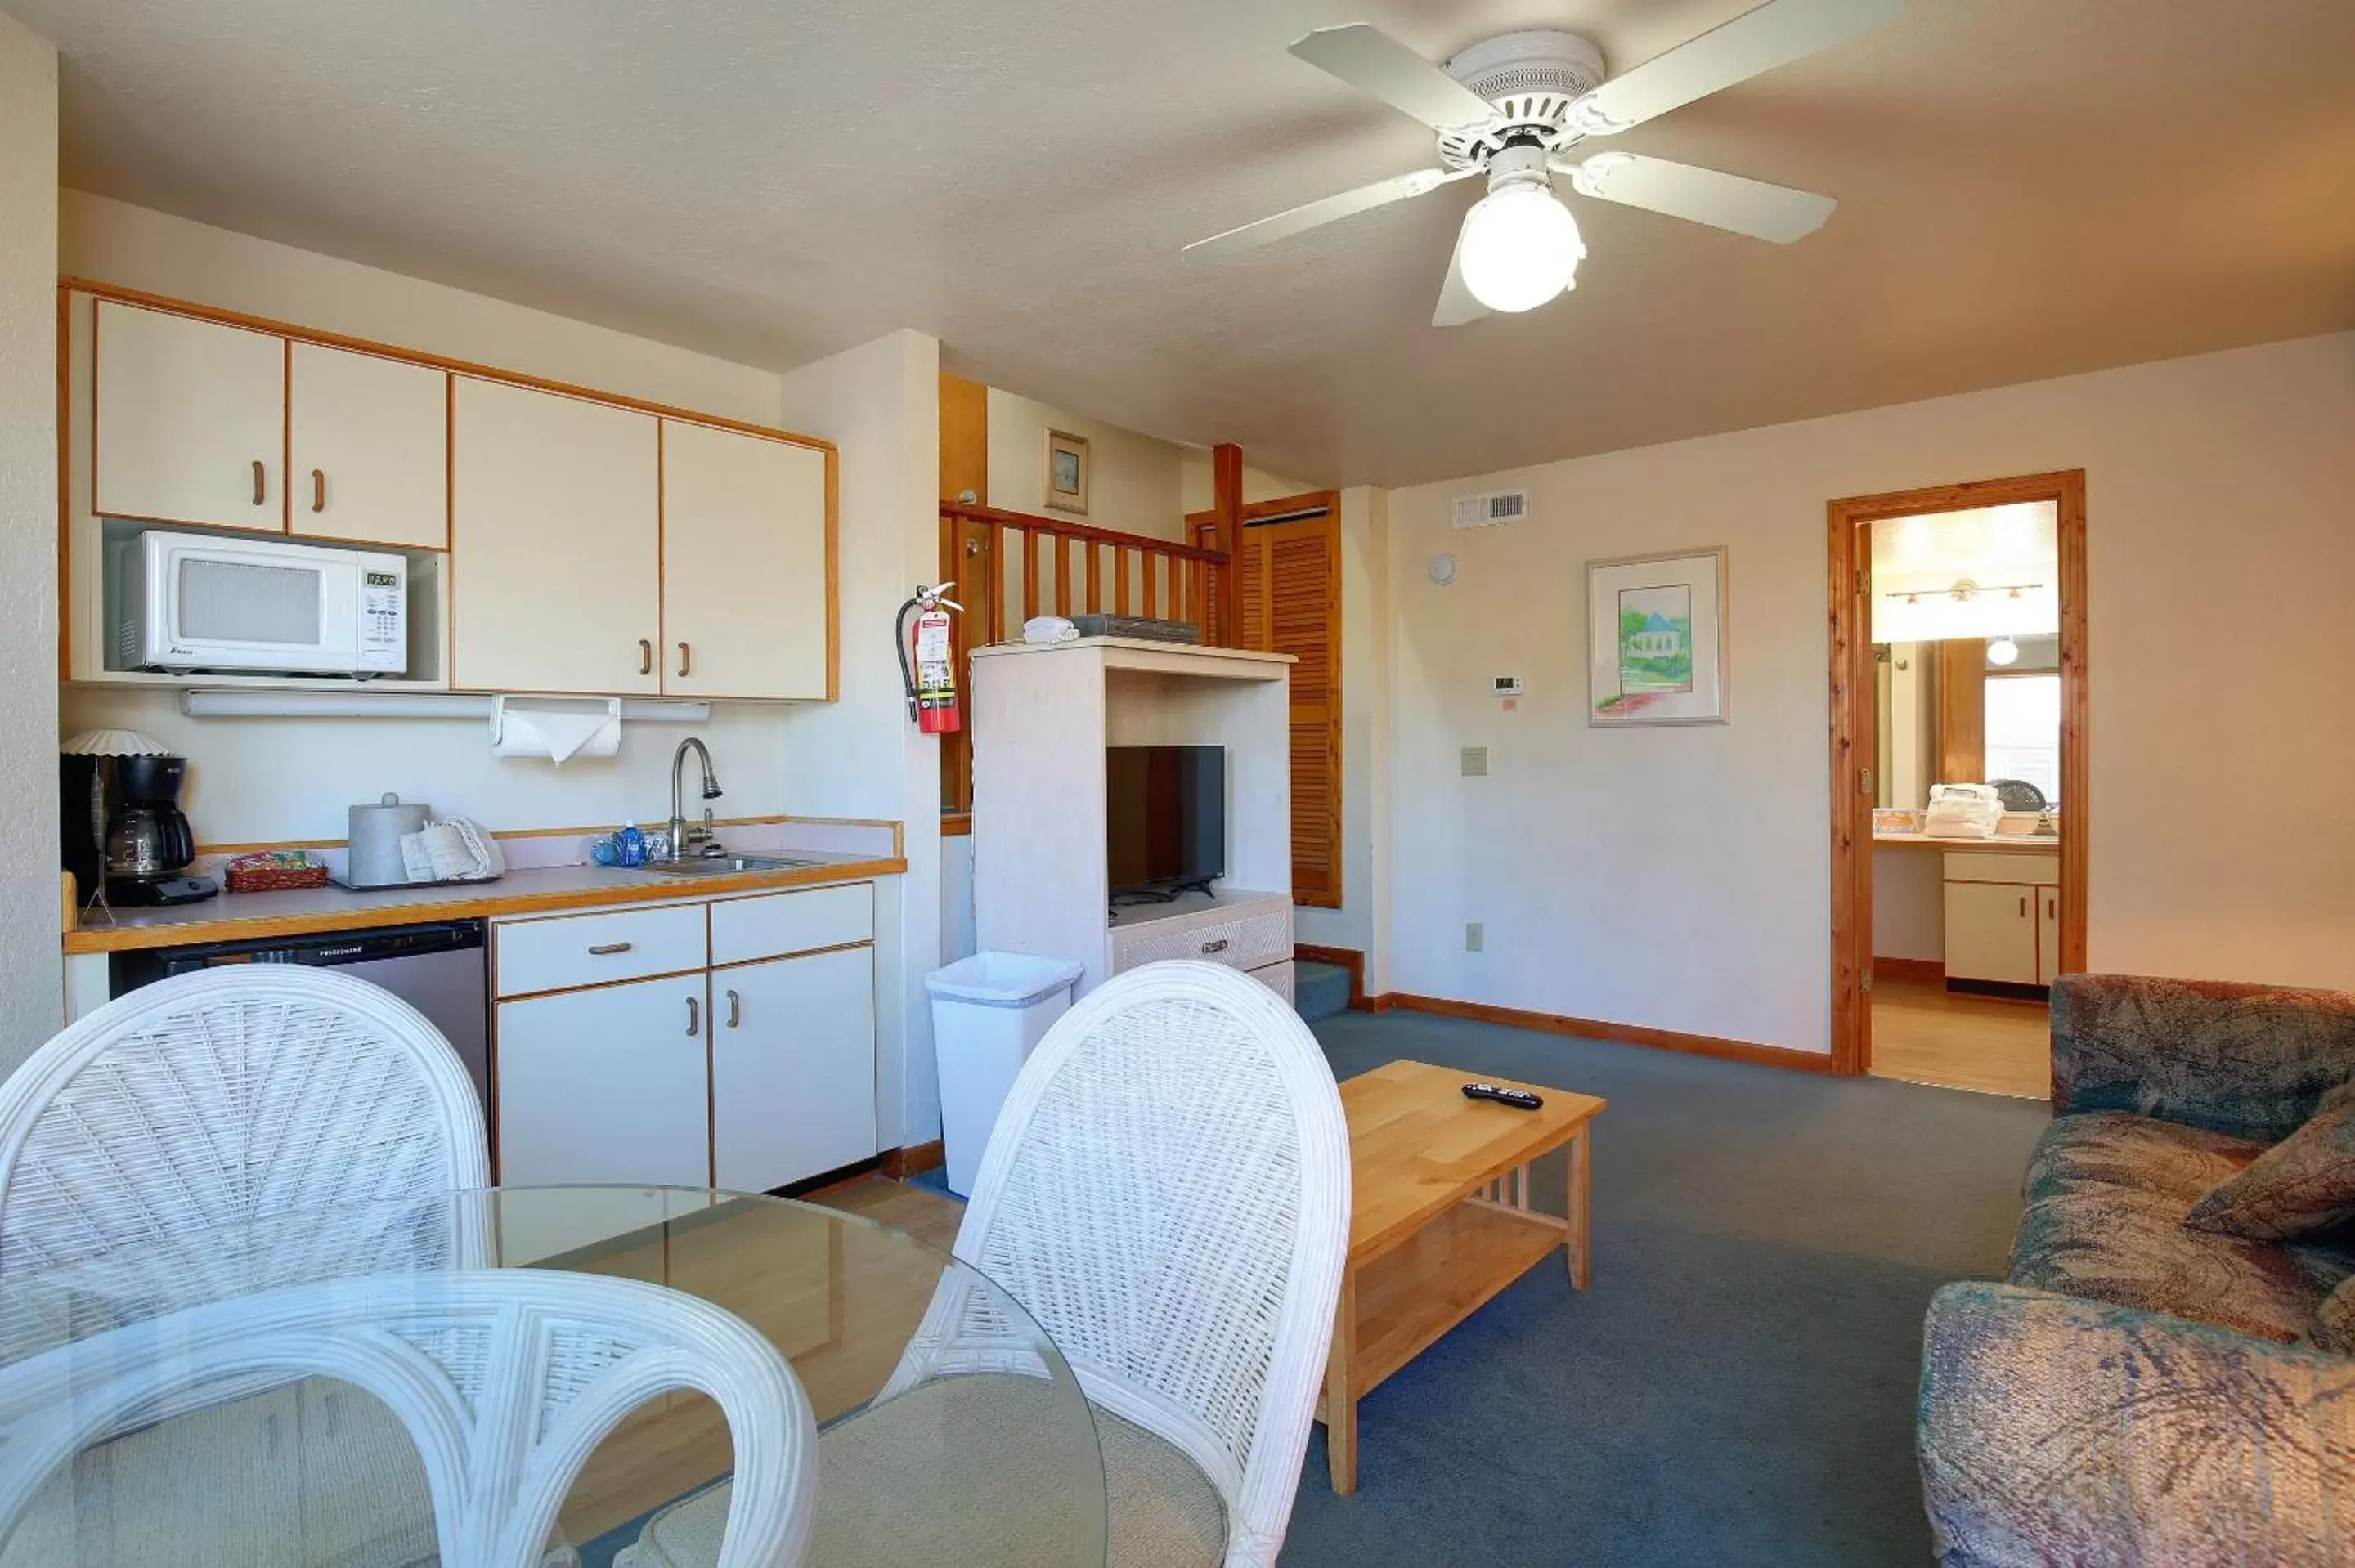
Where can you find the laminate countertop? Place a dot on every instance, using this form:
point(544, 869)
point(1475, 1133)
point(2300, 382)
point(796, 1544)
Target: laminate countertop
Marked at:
point(239, 916)
point(2002, 844)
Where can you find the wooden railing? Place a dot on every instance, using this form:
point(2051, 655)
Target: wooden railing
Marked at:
point(1011, 566)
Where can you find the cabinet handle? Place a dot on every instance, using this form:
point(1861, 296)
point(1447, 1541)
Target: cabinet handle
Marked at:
point(694, 1016)
point(600, 949)
point(318, 491)
point(2023, 907)
point(257, 481)
point(1218, 947)
point(735, 1010)
point(683, 658)
point(646, 657)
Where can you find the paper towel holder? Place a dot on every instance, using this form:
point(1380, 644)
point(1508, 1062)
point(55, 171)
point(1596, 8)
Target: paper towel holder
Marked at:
point(609, 706)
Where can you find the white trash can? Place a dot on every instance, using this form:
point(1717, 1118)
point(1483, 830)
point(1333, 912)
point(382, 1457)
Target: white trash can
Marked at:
point(988, 1012)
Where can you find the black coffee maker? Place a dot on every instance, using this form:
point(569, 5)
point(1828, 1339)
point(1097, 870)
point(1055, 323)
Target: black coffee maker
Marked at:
point(120, 823)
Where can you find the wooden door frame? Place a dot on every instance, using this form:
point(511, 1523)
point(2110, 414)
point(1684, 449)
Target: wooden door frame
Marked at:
point(1853, 686)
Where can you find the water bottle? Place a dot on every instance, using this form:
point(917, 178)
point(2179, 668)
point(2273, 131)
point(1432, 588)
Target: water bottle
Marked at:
point(633, 843)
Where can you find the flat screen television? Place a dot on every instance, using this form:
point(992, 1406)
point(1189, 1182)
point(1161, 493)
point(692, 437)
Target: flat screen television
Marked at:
point(1165, 819)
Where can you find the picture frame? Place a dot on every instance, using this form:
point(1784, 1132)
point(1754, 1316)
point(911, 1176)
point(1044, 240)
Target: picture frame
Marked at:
point(1657, 651)
point(1065, 484)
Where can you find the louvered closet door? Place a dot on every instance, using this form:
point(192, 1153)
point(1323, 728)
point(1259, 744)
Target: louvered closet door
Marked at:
point(1291, 593)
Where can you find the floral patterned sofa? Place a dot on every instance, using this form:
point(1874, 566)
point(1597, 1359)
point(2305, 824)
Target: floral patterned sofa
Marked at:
point(2141, 1392)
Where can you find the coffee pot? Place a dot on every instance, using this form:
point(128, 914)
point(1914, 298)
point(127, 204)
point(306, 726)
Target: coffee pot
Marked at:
point(120, 823)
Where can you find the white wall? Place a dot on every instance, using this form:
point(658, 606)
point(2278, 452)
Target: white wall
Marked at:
point(1909, 903)
point(256, 780)
point(31, 999)
point(1134, 485)
point(861, 757)
point(1679, 877)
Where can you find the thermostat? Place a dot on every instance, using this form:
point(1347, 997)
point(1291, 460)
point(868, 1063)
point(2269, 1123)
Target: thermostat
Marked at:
point(1504, 685)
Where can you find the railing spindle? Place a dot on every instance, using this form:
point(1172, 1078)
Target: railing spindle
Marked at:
point(1095, 578)
point(1063, 575)
point(1030, 573)
point(1152, 568)
point(995, 576)
point(1120, 579)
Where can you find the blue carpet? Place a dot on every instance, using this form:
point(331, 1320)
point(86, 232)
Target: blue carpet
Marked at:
point(1319, 991)
point(1737, 1385)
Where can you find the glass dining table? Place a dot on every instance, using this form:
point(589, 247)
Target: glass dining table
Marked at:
point(920, 1458)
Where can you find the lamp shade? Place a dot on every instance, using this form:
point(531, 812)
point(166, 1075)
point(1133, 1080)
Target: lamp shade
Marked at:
point(1521, 247)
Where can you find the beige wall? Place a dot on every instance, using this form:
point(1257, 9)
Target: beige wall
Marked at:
point(1133, 480)
point(31, 1000)
point(1679, 877)
point(1201, 482)
point(861, 757)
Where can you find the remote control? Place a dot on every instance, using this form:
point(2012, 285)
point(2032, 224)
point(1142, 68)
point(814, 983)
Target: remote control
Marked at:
point(1519, 1099)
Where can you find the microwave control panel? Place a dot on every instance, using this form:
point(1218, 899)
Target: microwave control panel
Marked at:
point(384, 614)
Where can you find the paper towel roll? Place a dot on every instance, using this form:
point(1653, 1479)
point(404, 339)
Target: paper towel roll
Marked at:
point(555, 728)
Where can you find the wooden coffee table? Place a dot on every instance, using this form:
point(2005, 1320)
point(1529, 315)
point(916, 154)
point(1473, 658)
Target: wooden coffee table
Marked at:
point(1440, 1221)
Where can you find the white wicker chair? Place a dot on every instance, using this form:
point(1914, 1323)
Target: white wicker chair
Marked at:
point(224, 1096)
point(505, 1379)
point(1168, 1193)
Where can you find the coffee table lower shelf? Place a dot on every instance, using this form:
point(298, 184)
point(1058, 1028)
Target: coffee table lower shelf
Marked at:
point(1409, 1297)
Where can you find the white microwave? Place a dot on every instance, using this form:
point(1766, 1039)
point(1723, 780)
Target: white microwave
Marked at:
point(197, 601)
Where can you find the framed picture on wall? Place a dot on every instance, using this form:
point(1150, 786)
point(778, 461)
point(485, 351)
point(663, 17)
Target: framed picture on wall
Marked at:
point(1656, 640)
point(1067, 472)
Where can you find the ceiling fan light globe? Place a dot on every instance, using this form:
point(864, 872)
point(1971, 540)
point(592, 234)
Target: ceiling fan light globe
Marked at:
point(1521, 247)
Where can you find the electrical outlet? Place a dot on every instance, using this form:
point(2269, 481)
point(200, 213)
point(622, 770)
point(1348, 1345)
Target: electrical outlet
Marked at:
point(1475, 936)
point(1476, 762)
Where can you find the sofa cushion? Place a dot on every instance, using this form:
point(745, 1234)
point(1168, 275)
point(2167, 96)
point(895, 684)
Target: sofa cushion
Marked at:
point(2303, 1185)
point(2106, 1198)
point(2334, 1321)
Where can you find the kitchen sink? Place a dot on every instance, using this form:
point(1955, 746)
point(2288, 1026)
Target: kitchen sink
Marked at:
point(724, 865)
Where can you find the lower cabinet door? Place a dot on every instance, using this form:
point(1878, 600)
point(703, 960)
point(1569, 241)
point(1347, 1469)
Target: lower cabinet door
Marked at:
point(792, 1067)
point(1991, 931)
point(609, 1084)
point(2048, 934)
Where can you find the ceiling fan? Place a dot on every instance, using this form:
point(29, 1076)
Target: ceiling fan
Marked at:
point(1512, 109)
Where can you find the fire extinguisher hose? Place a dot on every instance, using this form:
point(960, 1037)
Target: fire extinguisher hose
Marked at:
point(900, 638)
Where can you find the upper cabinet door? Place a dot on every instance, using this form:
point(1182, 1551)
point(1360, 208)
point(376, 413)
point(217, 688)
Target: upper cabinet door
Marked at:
point(191, 421)
point(555, 543)
point(744, 564)
point(368, 448)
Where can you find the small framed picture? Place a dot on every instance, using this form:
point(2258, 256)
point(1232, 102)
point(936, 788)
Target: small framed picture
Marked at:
point(1656, 640)
point(1067, 472)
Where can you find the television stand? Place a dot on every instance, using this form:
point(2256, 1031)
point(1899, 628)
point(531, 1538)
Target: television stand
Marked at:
point(1242, 929)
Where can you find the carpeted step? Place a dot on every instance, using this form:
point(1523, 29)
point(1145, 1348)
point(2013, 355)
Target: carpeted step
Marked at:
point(1319, 991)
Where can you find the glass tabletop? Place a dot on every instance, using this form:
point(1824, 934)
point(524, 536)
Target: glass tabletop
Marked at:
point(180, 1404)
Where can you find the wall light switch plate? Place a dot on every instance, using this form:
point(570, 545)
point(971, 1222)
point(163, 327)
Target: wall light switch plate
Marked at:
point(1476, 762)
point(1475, 936)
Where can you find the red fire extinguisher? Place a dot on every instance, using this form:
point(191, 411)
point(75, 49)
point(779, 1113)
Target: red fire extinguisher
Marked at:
point(932, 679)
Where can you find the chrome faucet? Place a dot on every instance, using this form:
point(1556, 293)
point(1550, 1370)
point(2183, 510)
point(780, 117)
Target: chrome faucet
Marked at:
point(678, 829)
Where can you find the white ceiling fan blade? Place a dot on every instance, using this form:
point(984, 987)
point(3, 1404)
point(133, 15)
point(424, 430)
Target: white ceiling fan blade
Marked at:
point(1300, 219)
point(1702, 195)
point(1456, 304)
point(1372, 61)
point(1755, 42)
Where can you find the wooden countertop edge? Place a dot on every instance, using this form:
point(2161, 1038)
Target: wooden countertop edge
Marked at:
point(127, 938)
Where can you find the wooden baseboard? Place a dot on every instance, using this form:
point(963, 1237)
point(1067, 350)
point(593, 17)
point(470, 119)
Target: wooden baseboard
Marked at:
point(1349, 958)
point(902, 1163)
point(1621, 1034)
point(1929, 972)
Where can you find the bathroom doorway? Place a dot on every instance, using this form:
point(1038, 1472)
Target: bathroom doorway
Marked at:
point(1958, 747)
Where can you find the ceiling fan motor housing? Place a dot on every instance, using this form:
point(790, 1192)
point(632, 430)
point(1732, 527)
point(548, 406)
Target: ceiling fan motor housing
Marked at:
point(1534, 78)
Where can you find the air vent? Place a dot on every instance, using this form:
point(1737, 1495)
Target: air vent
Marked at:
point(1487, 511)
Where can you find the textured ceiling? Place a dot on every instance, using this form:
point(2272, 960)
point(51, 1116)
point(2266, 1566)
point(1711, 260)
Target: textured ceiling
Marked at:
point(2028, 188)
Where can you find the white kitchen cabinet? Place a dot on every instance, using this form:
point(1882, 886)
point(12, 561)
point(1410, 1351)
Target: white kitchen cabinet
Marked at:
point(2048, 934)
point(792, 1067)
point(1991, 931)
point(189, 421)
point(368, 448)
point(744, 564)
point(607, 1085)
point(555, 539)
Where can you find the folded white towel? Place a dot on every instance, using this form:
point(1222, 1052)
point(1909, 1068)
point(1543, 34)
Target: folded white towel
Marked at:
point(1049, 628)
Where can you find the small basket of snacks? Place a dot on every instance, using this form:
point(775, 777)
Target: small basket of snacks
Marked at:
point(275, 871)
